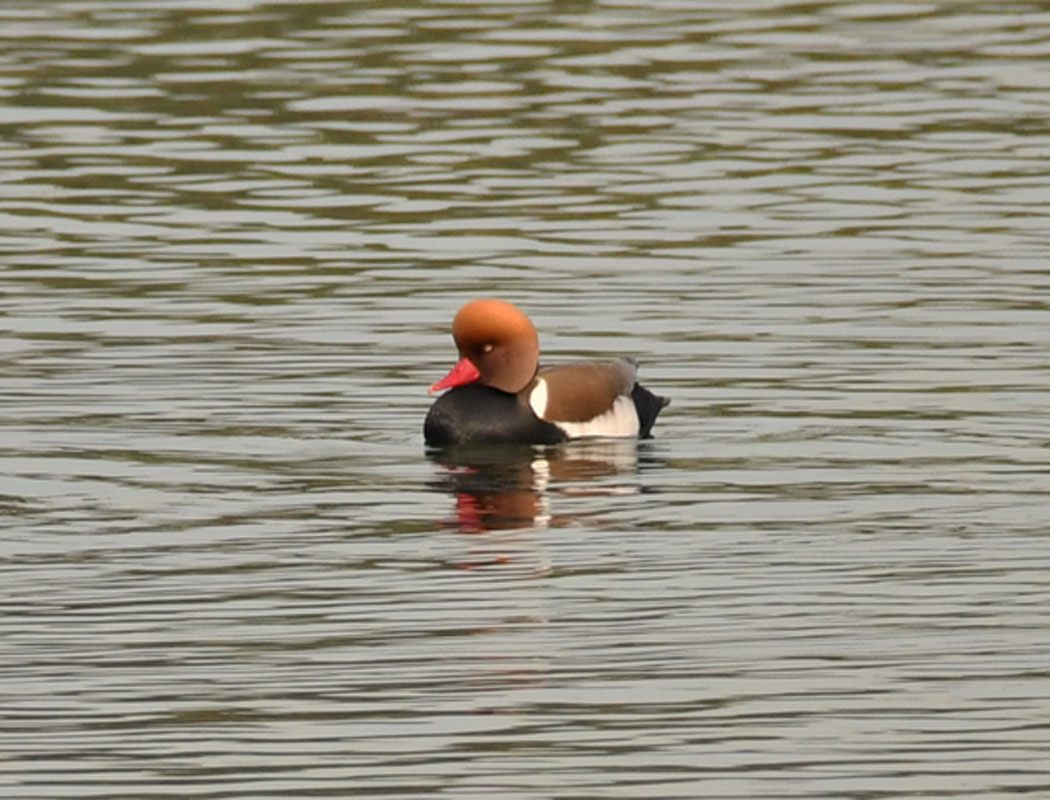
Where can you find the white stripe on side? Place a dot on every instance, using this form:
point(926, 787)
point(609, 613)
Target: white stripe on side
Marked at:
point(538, 398)
point(620, 420)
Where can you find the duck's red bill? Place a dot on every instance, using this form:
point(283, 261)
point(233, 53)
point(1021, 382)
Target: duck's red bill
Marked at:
point(463, 372)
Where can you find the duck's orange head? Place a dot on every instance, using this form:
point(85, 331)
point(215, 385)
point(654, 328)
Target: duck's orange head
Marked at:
point(498, 347)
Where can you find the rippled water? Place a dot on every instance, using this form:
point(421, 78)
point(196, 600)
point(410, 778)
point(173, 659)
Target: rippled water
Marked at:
point(233, 235)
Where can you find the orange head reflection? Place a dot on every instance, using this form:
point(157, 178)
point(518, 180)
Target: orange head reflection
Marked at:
point(501, 488)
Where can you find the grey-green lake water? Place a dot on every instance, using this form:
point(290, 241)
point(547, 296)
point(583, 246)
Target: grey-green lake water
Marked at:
point(232, 238)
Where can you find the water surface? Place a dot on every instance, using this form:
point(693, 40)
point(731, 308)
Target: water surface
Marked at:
point(232, 238)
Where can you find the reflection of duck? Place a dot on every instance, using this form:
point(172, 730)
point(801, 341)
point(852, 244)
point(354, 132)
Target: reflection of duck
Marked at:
point(501, 395)
point(509, 487)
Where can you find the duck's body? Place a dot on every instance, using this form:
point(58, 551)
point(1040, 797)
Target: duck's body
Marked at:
point(500, 395)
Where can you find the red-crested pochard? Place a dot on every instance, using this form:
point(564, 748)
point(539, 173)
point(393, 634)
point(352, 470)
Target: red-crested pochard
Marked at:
point(500, 393)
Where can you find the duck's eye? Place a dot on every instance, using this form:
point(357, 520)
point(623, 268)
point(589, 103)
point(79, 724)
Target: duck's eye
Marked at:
point(487, 348)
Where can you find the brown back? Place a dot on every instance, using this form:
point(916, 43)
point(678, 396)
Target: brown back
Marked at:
point(581, 392)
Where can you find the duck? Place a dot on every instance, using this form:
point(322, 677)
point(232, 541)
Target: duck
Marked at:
point(498, 393)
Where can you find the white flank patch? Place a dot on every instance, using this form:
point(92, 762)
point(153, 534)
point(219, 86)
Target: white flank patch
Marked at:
point(538, 398)
point(620, 420)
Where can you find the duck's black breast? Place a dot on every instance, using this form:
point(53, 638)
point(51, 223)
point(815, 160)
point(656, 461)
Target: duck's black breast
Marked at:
point(476, 414)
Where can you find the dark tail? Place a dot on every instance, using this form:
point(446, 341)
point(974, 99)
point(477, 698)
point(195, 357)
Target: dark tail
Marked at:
point(649, 407)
